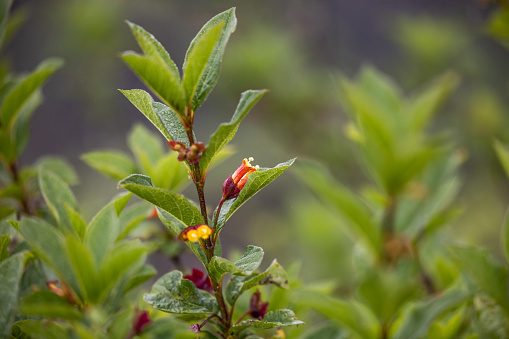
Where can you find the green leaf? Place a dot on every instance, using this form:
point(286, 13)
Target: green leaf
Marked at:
point(38, 329)
point(162, 81)
point(218, 267)
point(5, 5)
point(251, 259)
point(161, 116)
point(173, 294)
point(20, 130)
point(132, 217)
point(114, 164)
point(5, 240)
point(417, 322)
point(255, 182)
point(202, 65)
point(226, 131)
point(151, 47)
point(170, 173)
point(489, 274)
point(60, 167)
point(57, 195)
point(358, 319)
point(279, 318)
point(505, 237)
point(76, 222)
point(146, 147)
point(352, 208)
point(49, 305)
point(49, 245)
point(275, 275)
point(503, 155)
point(143, 274)
point(11, 270)
point(175, 204)
point(16, 99)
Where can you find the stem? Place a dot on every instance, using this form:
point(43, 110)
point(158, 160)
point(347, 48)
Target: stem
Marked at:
point(242, 317)
point(218, 293)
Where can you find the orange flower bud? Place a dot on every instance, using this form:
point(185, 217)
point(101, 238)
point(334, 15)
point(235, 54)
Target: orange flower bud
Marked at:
point(194, 233)
point(236, 182)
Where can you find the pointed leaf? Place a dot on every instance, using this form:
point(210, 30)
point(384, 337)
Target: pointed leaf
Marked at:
point(255, 182)
point(275, 275)
point(175, 204)
point(279, 318)
point(251, 259)
point(218, 267)
point(143, 274)
point(162, 81)
point(151, 47)
point(57, 194)
point(20, 129)
point(23, 90)
point(170, 173)
point(161, 116)
point(205, 82)
point(173, 294)
point(48, 304)
point(76, 221)
point(60, 167)
point(226, 131)
point(114, 164)
point(11, 270)
point(489, 274)
point(146, 147)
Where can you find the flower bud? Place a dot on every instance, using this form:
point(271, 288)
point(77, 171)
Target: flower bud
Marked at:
point(194, 233)
point(236, 182)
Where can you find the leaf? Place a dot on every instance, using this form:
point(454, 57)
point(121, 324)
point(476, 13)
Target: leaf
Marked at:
point(173, 294)
point(330, 191)
point(170, 173)
point(417, 322)
point(505, 237)
point(354, 316)
point(5, 5)
point(226, 131)
point(38, 329)
point(76, 221)
point(275, 275)
point(204, 81)
point(104, 229)
point(11, 270)
point(489, 274)
point(57, 195)
point(146, 147)
point(218, 267)
point(175, 204)
point(143, 274)
point(114, 164)
point(23, 90)
point(49, 305)
point(60, 167)
point(151, 47)
point(255, 182)
point(5, 241)
point(502, 151)
point(279, 318)
point(162, 81)
point(161, 116)
point(20, 129)
point(251, 259)
point(49, 245)
point(132, 217)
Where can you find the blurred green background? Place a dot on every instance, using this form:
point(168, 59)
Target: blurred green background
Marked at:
point(296, 49)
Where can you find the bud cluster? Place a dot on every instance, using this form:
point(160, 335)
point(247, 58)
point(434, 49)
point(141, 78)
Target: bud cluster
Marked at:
point(192, 154)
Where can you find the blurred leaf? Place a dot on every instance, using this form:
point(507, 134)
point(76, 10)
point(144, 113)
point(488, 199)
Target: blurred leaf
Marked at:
point(49, 245)
point(279, 318)
point(417, 321)
point(360, 321)
point(160, 115)
point(170, 173)
point(146, 148)
point(20, 130)
point(143, 274)
point(76, 221)
point(59, 167)
point(255, 182)
point(5, 6)
point(498, 26)
point(132, 217)
point(201, 66)
point(27, 329)
point(22, 92)
point(505, 237)
point(104, 228)
point(175, 204)
point(49, 305)
point(489, 274)
point(11, 270)
point(449, 329)
point(218, 267)
point(113, 164)
point(250, 260)
point(5, 241)
point(503, 155)
point(330, 191)
point(275, 275)
point(226, 131)
point(57, 195)
point(173, 294)
point(151, 47)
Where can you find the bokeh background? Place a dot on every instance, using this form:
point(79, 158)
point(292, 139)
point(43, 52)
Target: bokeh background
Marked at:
point(296, 49)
